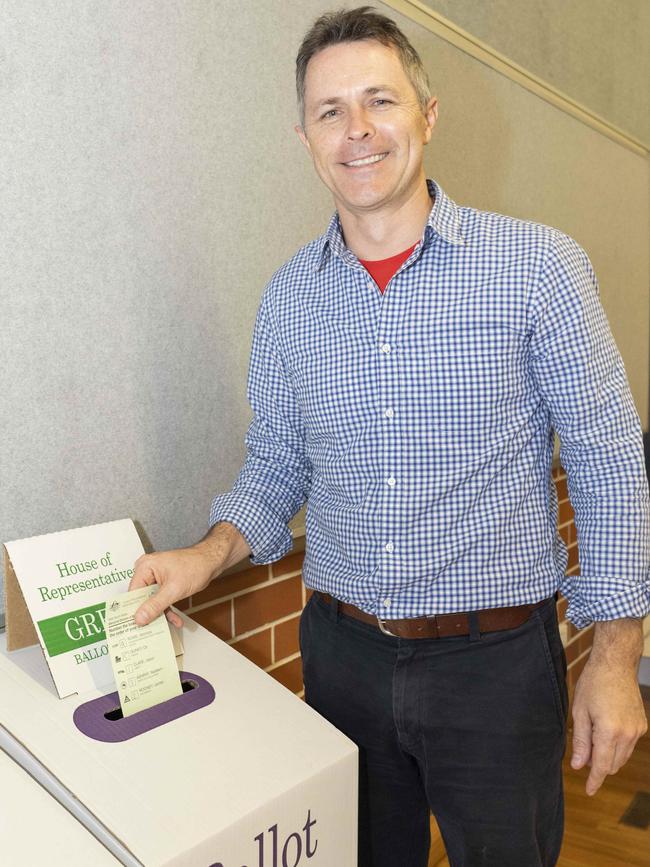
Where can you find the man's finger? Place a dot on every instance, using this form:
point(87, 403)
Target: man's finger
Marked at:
point(602, 761)
point(142, 574)
point(136, 582)
point(154, 606)
point(581, 741)
point(174, 619)
point(617, 758)
point(624, 750)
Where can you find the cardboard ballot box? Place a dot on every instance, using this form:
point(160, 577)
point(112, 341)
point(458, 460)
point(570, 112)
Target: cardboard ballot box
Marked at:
point(34, 826)
point(235, 771)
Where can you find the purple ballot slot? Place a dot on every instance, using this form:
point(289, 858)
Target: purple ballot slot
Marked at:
point(102, 720)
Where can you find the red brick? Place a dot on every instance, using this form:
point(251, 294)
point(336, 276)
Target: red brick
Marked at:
point(291, 563)
point(289, 674)
point(266, 604)
point(224, 585)
point(562, 489)
point(562, 605)
point(573, 557)
point(565, 534)
point(286, 638)
point(216, 618)
point(256, 647)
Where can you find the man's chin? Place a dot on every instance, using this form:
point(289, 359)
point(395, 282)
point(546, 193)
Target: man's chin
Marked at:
point(360, 199)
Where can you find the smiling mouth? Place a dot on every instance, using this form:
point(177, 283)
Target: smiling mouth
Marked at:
point(367, 161)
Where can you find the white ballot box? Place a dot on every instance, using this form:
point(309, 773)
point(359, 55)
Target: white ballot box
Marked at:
point(36, 829)
point(235, 771)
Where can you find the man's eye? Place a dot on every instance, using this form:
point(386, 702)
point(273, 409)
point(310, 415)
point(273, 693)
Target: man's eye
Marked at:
point(329, 114)
point(382, 100)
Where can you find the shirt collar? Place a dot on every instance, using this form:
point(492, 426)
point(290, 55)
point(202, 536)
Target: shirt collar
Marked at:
point(443, 220)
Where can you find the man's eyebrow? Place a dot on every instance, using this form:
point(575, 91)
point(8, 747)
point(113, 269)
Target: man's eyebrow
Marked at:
point(369, 91)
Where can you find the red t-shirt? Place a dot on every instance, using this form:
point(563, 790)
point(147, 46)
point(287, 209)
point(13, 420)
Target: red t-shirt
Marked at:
point(381, 270)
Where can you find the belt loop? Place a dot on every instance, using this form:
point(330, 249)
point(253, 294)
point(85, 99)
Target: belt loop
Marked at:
point(474, 633)
point(334, 610)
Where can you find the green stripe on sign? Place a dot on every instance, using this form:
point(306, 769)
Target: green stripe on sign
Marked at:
point(75, 629)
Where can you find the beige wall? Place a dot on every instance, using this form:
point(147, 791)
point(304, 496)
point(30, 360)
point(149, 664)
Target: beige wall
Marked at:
point(595, 51)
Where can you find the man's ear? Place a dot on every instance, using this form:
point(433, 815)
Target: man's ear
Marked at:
point(303, 138)
point(430, 116)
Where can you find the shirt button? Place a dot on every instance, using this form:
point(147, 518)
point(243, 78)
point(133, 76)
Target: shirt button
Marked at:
point(389, 547)
point(389, 413)
point(391, 481)
point(386, 348)
point(386, 603)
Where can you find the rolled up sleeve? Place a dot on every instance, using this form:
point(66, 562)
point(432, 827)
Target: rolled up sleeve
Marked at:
point(582, 380)
point(275, 479)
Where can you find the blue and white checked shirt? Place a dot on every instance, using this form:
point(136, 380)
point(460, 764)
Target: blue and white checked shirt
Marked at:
point(418, 425)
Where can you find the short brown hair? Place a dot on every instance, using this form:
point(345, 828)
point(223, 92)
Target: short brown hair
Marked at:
point(355, 25)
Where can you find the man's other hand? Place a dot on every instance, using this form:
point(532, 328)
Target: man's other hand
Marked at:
point(608, 713)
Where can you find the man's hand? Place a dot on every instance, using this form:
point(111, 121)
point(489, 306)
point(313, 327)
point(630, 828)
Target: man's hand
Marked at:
point(608, 714)
point(185, 571)
point(179, 574)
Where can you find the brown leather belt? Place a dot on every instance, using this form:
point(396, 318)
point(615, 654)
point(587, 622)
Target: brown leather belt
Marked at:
point(441, 625)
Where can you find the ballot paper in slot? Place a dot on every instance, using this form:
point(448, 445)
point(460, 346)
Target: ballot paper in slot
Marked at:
point(142, 657)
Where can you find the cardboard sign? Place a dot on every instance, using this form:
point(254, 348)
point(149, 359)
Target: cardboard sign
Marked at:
point(56, 589)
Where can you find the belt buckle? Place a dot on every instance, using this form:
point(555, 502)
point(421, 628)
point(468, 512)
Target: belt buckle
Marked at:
point(383, 628)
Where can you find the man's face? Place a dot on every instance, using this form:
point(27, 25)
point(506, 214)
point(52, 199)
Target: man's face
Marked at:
point(359, 103)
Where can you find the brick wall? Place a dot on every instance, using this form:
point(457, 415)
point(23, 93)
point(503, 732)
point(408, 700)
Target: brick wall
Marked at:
point(256, 609)
point(577, 642)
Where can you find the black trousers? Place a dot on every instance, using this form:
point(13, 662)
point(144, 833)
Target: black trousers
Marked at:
point(471, 728)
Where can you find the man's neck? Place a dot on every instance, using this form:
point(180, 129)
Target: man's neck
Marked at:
point(379, 234)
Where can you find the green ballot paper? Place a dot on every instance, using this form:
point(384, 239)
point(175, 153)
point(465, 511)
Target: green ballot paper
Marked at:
point(143, 658)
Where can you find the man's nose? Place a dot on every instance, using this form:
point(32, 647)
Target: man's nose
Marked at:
point(359, 124)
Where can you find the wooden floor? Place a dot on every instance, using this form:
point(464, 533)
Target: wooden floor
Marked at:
point(593, 835)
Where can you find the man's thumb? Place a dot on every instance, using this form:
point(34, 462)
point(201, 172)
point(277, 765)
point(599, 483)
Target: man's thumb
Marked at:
point(581, 743)
point(153, 607)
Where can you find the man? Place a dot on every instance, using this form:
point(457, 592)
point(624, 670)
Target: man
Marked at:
point(407, 371)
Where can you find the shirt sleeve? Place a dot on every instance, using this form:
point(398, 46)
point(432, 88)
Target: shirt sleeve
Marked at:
point(274, 481)
point(581, 377)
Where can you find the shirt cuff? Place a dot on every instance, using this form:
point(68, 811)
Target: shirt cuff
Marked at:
point(600, 598)
point(268, 537)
